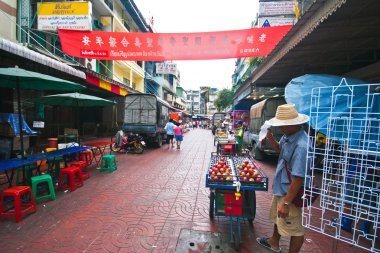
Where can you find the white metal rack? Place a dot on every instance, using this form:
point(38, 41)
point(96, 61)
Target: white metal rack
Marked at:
point(348, 179)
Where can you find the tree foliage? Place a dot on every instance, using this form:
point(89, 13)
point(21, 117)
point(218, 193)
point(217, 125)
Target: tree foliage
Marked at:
point(224, 99)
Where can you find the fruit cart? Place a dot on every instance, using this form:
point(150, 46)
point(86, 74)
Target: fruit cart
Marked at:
point(233, 181)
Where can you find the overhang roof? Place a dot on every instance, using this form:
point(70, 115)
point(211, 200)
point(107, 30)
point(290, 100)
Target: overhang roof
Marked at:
point(12, 51)
point(333, 37)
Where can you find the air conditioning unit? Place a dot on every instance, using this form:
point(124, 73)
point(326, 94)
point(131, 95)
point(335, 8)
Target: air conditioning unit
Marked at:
point(90, 64)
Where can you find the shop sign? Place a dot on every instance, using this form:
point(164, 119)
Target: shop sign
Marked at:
point(166, 68)
point(64, 15)
point(103, 45)
point(276, 8)
point(38, 124)
point(276, 21)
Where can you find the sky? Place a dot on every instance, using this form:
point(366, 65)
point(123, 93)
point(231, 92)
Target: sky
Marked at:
point(181, 16)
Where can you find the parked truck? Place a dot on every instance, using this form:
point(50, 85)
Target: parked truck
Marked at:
point(259, 113)
point(147, 115)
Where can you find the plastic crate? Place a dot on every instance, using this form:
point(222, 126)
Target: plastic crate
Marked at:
point(233, 206)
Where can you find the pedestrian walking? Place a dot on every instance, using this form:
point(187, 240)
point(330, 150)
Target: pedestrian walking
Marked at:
point(178, 135)
point(287, 217)
point(169, 127)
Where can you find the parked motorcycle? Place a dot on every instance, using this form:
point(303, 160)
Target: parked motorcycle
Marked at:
point(130, 143)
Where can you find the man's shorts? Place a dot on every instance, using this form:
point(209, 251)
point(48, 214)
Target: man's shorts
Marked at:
point(290, 226)
point(168, 138)
point(178, 138)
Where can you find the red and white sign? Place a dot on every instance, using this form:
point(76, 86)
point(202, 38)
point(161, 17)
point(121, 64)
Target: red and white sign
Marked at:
point(252, 42)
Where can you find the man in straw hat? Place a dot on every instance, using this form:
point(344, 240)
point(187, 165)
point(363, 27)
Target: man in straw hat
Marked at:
point(286, 216)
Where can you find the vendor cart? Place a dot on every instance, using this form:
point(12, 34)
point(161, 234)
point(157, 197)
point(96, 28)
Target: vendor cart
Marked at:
point(233, 181)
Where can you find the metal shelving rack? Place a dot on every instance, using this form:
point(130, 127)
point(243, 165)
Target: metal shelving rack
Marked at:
point(349, 177)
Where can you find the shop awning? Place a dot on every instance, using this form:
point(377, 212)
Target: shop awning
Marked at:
point(26, 53)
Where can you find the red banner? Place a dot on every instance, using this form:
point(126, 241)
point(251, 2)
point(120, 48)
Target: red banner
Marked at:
point(171, 46)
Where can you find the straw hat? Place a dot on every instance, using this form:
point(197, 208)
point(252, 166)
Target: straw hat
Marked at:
point(287, 115)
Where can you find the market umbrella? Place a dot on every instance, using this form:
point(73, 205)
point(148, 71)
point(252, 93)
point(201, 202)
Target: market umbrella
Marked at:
point(74, 100)
point(18, 78)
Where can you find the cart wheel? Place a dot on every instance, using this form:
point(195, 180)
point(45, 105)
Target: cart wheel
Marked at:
point(236, 241)
point(212, 205)
point(251, 200)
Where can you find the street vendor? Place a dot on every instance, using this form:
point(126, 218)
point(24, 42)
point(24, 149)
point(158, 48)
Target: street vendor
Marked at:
point(239, 136)
point(286, 216)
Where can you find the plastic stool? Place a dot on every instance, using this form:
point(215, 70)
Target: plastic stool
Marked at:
point(74, 178)
point(28, 174)
point(43, 179)
point(84, 166)
point(228, 149)
point(86, 156)
point(19, 208)
point(54, 165)
point(108, 163)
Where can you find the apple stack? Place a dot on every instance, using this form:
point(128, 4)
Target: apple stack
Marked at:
point(247, 171)
point(221, 170)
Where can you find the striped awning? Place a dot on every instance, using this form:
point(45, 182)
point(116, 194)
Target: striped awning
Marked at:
point(26, 53)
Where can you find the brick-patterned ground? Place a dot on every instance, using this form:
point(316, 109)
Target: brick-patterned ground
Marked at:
point(142, 207)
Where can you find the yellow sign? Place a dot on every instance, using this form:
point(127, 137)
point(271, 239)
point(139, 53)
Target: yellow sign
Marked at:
point(64, 15)
point(64, 8)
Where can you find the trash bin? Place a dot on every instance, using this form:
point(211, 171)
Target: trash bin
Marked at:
point(53, 143)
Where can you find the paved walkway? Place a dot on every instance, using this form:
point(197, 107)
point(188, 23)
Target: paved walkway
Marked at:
point(142, 207)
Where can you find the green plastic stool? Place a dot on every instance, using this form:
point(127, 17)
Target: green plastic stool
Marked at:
point(28, 174)
point(41, 179)
point(108, 163)
point(54, 165)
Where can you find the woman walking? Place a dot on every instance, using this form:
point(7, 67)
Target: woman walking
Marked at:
point(178, 135)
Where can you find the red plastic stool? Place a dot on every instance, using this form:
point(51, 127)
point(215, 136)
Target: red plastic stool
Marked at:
point(74, 178)
point(19, 208)
point(228, 149)
point(84, 166)
point(86, 156)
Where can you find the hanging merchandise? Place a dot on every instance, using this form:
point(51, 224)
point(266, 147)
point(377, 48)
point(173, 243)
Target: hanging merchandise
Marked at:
point(349, 205)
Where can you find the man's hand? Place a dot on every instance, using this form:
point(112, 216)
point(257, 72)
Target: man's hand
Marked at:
point(272, 141)
point(283, 211)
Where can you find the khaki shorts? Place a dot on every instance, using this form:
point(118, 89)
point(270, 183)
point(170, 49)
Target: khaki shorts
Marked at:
point(290, 226)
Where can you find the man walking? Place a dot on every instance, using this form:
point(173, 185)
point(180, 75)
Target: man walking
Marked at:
point(169, 127)
point(287, 218)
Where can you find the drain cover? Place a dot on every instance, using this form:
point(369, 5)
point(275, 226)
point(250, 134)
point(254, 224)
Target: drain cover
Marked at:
point(202, 242)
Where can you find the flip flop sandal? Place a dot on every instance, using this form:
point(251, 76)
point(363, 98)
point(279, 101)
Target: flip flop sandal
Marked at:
point(264, 242)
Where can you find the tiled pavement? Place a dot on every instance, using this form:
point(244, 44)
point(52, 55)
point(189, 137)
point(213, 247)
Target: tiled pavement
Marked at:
point(142, 207)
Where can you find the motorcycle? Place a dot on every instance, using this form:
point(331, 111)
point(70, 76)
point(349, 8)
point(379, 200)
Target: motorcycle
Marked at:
point(130, 143)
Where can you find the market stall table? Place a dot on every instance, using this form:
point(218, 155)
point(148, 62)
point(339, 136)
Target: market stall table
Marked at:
point(97, 147)
point(11, 164)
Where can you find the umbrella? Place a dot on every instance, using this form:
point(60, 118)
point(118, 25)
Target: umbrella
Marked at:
point(23, 79)
point(74, 99)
